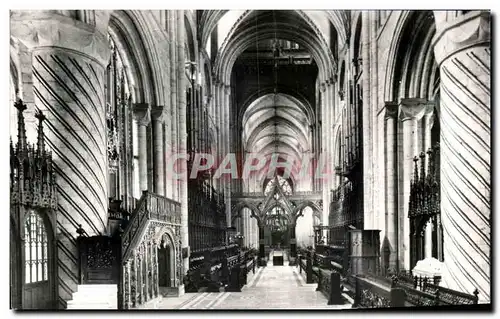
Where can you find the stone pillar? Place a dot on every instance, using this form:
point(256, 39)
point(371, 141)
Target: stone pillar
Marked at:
point(217, 119)
point(293, 241)
point(329, 155)
point(246, 230)
point(172, 34)
point(66, 77)
point(323, 170)
point(167, 110)
point(143, 118)
point(159, 150)
point(367, 124)
point(262, 254)
point(183, 186)
point(391, 243)
point(410, 112)
point(227, 149)
point(463, 52)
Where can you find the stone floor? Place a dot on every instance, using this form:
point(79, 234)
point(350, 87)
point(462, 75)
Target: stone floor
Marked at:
point(271, 287)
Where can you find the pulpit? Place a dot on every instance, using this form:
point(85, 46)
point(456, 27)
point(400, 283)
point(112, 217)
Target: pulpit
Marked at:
point(364, 251)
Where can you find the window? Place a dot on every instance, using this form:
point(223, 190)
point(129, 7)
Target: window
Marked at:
point(284, 184)
point(35, 248)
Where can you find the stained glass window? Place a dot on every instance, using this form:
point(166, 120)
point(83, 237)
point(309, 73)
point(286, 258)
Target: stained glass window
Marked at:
point(283, 183)
point(35, 248)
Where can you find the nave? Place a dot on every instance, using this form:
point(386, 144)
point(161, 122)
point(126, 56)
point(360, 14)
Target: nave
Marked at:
point(271, 287)
point(166, 153)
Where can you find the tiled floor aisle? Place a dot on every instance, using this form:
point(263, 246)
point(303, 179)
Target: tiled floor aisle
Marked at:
point(272, 287)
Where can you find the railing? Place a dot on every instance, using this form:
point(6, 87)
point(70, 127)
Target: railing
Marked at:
point(370, 294)
point(402, 291)
point(420, 292)
point(150, 207)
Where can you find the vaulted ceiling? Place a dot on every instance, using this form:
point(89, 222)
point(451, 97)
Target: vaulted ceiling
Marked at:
point(273, 60)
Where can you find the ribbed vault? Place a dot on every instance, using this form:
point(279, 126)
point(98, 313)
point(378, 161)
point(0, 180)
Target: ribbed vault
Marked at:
point(276, 124)
point(256, 26)
point(210, 18)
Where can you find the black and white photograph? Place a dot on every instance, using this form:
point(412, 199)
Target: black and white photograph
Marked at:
point(249, 159)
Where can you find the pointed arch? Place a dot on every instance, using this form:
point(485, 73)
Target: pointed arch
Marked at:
point(236, 211)
point(317, 211)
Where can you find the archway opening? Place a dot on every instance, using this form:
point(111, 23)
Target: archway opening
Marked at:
point(166, 265)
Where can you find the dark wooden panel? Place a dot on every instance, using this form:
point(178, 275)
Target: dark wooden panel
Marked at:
point(99, 260)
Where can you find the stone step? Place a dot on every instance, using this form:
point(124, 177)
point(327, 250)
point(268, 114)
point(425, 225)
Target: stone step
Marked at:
point(97, 287)
point(94, 297)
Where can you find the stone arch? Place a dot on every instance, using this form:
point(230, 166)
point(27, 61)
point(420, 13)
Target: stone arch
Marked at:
point(409, 63)
point(166, 234)
point(274, 204)
point(317, 211)
point(356, 26)
point(236, 211)
point(235, 43)
point(131, 36)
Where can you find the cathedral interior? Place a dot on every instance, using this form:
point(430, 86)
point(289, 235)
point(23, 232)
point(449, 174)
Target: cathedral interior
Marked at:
point(150, 159)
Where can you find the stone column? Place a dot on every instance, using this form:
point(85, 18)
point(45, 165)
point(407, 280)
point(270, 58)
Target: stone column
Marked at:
point(329, 154)
point(410, 112)
point(68, 60)
point(391, 243)
point(167, 109)
point(463, 52)
point(172, 34)
point(183, 186)
point(217, 120)
point(159, 151)
point(367, 124)
point(293, 241)
point(143, 118)
point(227, 148)
point(324, 149)
point(246, 232)
point(262, 254)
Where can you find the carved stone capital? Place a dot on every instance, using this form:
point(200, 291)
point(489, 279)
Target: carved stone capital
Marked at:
point(462, 32)
point(227, 88)
point(391, 110)
point(414, 108)
point(45, 29)
point(158, 114)
point(142, 114)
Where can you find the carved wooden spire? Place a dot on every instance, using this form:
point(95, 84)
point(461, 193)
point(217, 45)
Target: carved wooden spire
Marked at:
point(40, 138)
point(32, 175)
point(21, 129)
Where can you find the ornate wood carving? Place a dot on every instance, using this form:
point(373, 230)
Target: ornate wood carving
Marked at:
point(32, 176)
point(99, 259)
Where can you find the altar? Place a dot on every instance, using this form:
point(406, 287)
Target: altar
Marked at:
point(278, 258)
